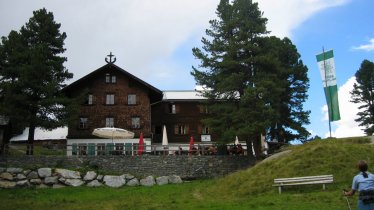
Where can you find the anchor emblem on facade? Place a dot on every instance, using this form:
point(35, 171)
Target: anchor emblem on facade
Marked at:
point(110, 58)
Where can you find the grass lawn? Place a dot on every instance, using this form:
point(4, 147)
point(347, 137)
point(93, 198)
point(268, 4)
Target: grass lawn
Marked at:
point(246, 189)
point(183, 196)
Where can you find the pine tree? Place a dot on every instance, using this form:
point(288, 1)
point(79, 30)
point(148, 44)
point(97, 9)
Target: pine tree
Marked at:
point(259, 81)
point(363, 94)
point(33, 74)
point(291, 92)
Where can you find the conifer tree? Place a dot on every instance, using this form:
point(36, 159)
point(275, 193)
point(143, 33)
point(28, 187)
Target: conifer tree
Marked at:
point(259, 81)
point(32, 75)
point(363, 94)
point(290, 93)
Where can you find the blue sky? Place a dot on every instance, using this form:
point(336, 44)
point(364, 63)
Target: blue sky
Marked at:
point(342, 28)
point(153, 39)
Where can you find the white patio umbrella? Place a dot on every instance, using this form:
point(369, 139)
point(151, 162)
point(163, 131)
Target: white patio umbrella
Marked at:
point(113, 133)
point(236, 140)
point(165, 142)
point(164, 137)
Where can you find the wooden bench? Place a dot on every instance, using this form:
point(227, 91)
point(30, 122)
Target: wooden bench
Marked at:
point(323, 179)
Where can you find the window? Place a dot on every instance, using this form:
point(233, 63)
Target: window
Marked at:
point(100, 149)
point(107, 78)
point(135, 122)
point(89, 99)
point(109, 122)
point(83, 121)
point(110, 78)
point(109, 99)
point(131, 99)
point(82, 149)
point(181, 129)
point(172, 109)
point(118, 149)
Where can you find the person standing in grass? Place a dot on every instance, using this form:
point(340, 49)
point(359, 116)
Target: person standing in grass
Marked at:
point(364, 184)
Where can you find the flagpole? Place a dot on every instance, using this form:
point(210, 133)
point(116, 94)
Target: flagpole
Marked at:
point(329, 102)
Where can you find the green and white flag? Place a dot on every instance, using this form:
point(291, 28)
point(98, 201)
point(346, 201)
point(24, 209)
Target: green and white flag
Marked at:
point(327, 69)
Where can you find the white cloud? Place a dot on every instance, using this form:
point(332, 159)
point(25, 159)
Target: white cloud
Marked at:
point(346, 126)
point(286, 15)
point(366, 47)
point(140, 33)
point(145, 34)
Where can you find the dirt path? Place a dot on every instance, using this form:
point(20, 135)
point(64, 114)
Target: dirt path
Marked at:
point(277, 155)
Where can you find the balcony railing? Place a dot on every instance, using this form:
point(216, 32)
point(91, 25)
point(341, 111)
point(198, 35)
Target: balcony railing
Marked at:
point(91, 149)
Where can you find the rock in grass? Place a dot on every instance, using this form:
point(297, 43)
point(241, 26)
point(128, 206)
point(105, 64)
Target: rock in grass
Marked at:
point(7, 184)
point(90, 175)
point(51, 180)
point(100, 177)
point(94, 183)
point(7, 176)
point(148, 181)
point(44, 172)
point(162, 180)
point(26, 172)
point(133, 182)
point(174, 179)
point(32, 175)
point(23, 183)
point(74, 182)
point(68, 174)
point(20, 177)
point(114, 181)
point(35, 181)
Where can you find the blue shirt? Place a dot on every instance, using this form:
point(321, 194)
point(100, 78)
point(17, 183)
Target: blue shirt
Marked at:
point(361, 183)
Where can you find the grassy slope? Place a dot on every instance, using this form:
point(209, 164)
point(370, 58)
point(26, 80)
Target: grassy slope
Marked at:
point(247, 189)
point(337, 157)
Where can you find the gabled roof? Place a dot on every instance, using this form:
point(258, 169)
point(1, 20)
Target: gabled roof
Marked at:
point(117, 68)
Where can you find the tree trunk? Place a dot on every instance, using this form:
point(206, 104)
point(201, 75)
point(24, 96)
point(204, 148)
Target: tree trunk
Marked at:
point(30, 140)
point(249, 148)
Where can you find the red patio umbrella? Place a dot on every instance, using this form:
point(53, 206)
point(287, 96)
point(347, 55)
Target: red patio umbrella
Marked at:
point(191, 145)
point(141, 144)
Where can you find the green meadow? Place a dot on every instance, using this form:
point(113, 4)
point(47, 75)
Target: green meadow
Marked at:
point(247, 189)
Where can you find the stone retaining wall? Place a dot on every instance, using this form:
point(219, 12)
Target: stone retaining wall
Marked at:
point(187, 167)
point(57, 178)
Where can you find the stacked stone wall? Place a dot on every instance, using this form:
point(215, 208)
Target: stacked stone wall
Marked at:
point(187, 167)
point(57, 178)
